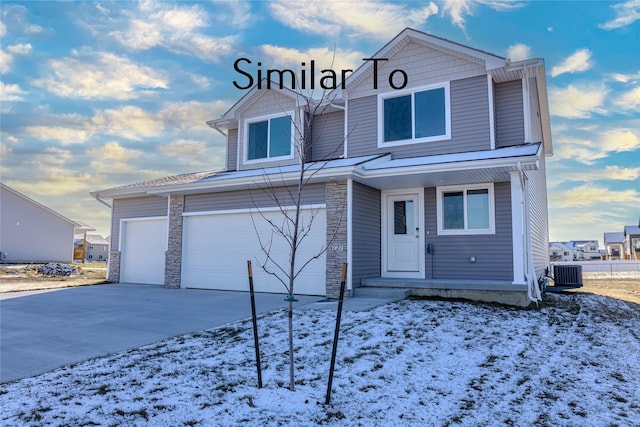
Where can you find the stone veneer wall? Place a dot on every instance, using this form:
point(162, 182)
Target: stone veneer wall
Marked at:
point(173, 256)
point(336, 255)
point(113, 275)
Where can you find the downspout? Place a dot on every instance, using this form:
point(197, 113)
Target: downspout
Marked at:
point(97, 197)
point(533, 291)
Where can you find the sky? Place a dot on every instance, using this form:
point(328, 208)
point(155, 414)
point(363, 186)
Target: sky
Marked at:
point(101, 94)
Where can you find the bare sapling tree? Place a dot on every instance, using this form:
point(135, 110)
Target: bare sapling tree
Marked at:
point(291, 228)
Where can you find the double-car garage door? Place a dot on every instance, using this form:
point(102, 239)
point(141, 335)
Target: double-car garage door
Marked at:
point(215, 250)
point(216, 247)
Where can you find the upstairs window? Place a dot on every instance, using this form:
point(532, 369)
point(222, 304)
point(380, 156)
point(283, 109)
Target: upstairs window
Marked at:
point(422, 115)
point(466, 210)
point(268, 138)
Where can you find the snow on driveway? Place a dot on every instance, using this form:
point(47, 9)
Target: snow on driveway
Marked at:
point(574, 361)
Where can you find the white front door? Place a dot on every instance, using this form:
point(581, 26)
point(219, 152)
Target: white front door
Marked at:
point(403, 216)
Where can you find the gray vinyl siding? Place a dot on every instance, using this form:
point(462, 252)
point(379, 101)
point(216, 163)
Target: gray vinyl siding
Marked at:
point(423, 65)
point(248, 199)
point(366, 231)
point(449, 258)
point(135, 207)
point(232, 150)
point(270, 103)
point(328, 135)
point(539, 218)
point(469, 124)
point(509, 114)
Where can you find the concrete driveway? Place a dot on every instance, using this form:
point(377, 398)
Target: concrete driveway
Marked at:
point(41, 331)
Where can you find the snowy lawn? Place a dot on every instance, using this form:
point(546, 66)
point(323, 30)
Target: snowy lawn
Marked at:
point(573, 361)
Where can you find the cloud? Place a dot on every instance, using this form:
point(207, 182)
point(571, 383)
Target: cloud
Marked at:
point(578, 61)
point(6, 58)
point(112, 158)
point(50, 175)
point(588, 195)
point(192, 115)
point(65, 135)
point(128, 122)
point(458, 10)
point(20, 48)
point(625, 78)
point(519, 52)
point(561, 173)
point(588, 151)
point(181, 149)
point(577, 101)
point(363, 18)
point(620, 140)
point(175, 28)
point(629, 101)
point(14, 18)
point(626, 14)
point(101, 75)
point(10, 92)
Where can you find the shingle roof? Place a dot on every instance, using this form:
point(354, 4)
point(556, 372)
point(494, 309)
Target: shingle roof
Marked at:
point(143, 186)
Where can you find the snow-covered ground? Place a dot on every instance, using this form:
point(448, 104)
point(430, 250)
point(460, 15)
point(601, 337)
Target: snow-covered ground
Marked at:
point(574, 361)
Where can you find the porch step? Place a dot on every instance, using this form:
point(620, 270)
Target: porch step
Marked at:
point(381, 293)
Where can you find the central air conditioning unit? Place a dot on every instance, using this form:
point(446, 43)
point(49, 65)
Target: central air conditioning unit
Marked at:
point(567, 275)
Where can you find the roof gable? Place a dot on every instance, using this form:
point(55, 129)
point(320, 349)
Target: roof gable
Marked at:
point(408, 35)
point(39, 205)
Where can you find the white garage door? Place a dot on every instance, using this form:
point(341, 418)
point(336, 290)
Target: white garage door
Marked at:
point(216, 247)
point(142, 251)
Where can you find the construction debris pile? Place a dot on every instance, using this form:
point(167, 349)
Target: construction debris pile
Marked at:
point(56, 269)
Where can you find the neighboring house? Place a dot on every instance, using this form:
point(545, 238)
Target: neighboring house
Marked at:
point(614, 245)
point(632, 242)
point(439, 186)
point(575, 250)
point(31, 232)
point(97, 248)
point(587, 249)
point(561, 251)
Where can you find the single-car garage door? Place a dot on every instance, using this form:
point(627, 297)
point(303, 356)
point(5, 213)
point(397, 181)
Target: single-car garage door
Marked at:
point(143, 243)
point(216, 247)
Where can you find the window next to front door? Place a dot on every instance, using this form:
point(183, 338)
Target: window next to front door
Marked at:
point(466, 209)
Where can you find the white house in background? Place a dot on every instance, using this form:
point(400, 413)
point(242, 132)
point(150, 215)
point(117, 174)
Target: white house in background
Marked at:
point(561, 251)
point(614, 245)
point(574, 250)
point(632, 242)
point(97, 247)
point(587, 249)
point(31, 232)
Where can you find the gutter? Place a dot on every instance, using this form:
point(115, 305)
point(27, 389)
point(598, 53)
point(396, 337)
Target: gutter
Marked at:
point(97, 197)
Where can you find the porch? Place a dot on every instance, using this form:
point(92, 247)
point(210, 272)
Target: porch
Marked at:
point(503, 292)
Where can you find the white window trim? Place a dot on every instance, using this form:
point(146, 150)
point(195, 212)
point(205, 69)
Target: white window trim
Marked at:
point(245, 138)
point(412, 91)
point(440, 213)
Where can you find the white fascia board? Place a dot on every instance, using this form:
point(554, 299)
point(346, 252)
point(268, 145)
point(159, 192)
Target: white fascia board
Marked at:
point(277, 179)
point(526, 162)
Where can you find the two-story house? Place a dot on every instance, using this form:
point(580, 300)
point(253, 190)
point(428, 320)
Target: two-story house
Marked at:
point(433, 179)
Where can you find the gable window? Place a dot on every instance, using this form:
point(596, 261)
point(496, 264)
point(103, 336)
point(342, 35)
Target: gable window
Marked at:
point(268, 138)
point(421, 115)
point(466, 209)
